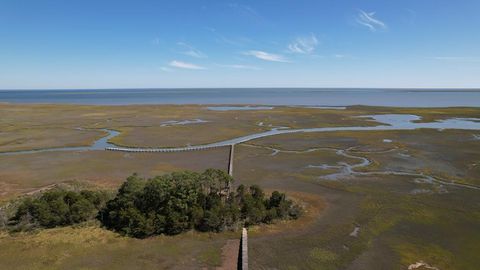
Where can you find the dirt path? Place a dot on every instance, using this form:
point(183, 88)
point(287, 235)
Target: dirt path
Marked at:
point(230, 255)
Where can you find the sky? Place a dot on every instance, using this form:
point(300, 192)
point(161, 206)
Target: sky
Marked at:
point(218, 43)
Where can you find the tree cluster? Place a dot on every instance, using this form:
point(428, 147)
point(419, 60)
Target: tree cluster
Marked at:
point(168, 204)
point(58, 208)
point(177, 202)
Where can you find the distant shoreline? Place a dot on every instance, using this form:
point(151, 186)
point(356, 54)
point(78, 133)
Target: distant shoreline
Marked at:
point(416, 89)
point(321, 97)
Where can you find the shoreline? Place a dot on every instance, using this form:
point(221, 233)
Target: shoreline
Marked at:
point(206, 105)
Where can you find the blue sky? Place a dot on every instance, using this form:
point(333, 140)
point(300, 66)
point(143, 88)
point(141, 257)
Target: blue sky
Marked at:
point(273, 43)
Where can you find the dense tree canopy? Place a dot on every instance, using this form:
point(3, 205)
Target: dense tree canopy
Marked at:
point(59, 208)
point(167, 204)
point(171, 204)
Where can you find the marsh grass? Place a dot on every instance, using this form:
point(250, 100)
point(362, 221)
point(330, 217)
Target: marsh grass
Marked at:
point(396, 228)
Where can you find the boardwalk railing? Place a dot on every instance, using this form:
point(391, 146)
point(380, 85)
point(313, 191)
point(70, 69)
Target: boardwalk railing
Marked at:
point(161, 150)
point(230, 160)
point(243, 258)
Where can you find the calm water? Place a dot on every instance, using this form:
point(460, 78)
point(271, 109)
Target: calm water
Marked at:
point(284, 96)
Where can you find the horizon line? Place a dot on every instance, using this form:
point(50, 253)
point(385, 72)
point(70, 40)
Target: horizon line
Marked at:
point(233, 88)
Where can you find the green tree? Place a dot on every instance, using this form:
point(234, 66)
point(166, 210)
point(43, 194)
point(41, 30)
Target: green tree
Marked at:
point(180, 201)
point(58, 208)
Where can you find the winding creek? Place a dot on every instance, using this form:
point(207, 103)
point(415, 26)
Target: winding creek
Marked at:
point(100, 144)
point(388, 121)
point(346, 170)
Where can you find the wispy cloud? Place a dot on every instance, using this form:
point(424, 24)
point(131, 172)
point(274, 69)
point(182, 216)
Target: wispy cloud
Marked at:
point(367, 19)
point(237, 66)
point(166, 69)
point(456, 58)
point(339, 56)
point(267, 56)
point(245, 10)
point(191, 51)
point(248, 14)
point(304, 45)
point(184, 65)
point(238, 41)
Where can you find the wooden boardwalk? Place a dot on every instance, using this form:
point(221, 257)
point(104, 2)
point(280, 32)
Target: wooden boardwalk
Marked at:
point(230, 160)
point(243, 256)
point(162, 150)
point(179, 149)
point(243, 248)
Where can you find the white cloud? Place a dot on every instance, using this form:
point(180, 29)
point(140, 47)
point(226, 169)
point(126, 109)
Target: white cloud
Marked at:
point(237, 66)
point(304, 45)
point(368, 20)
point(184, 65)
point(267, 56)
point(191, 51)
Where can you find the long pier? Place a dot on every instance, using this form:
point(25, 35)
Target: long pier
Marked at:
point(163, 150)
point(178, 149)
point(388, 124)
point(243, 251)
point(230, 160)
